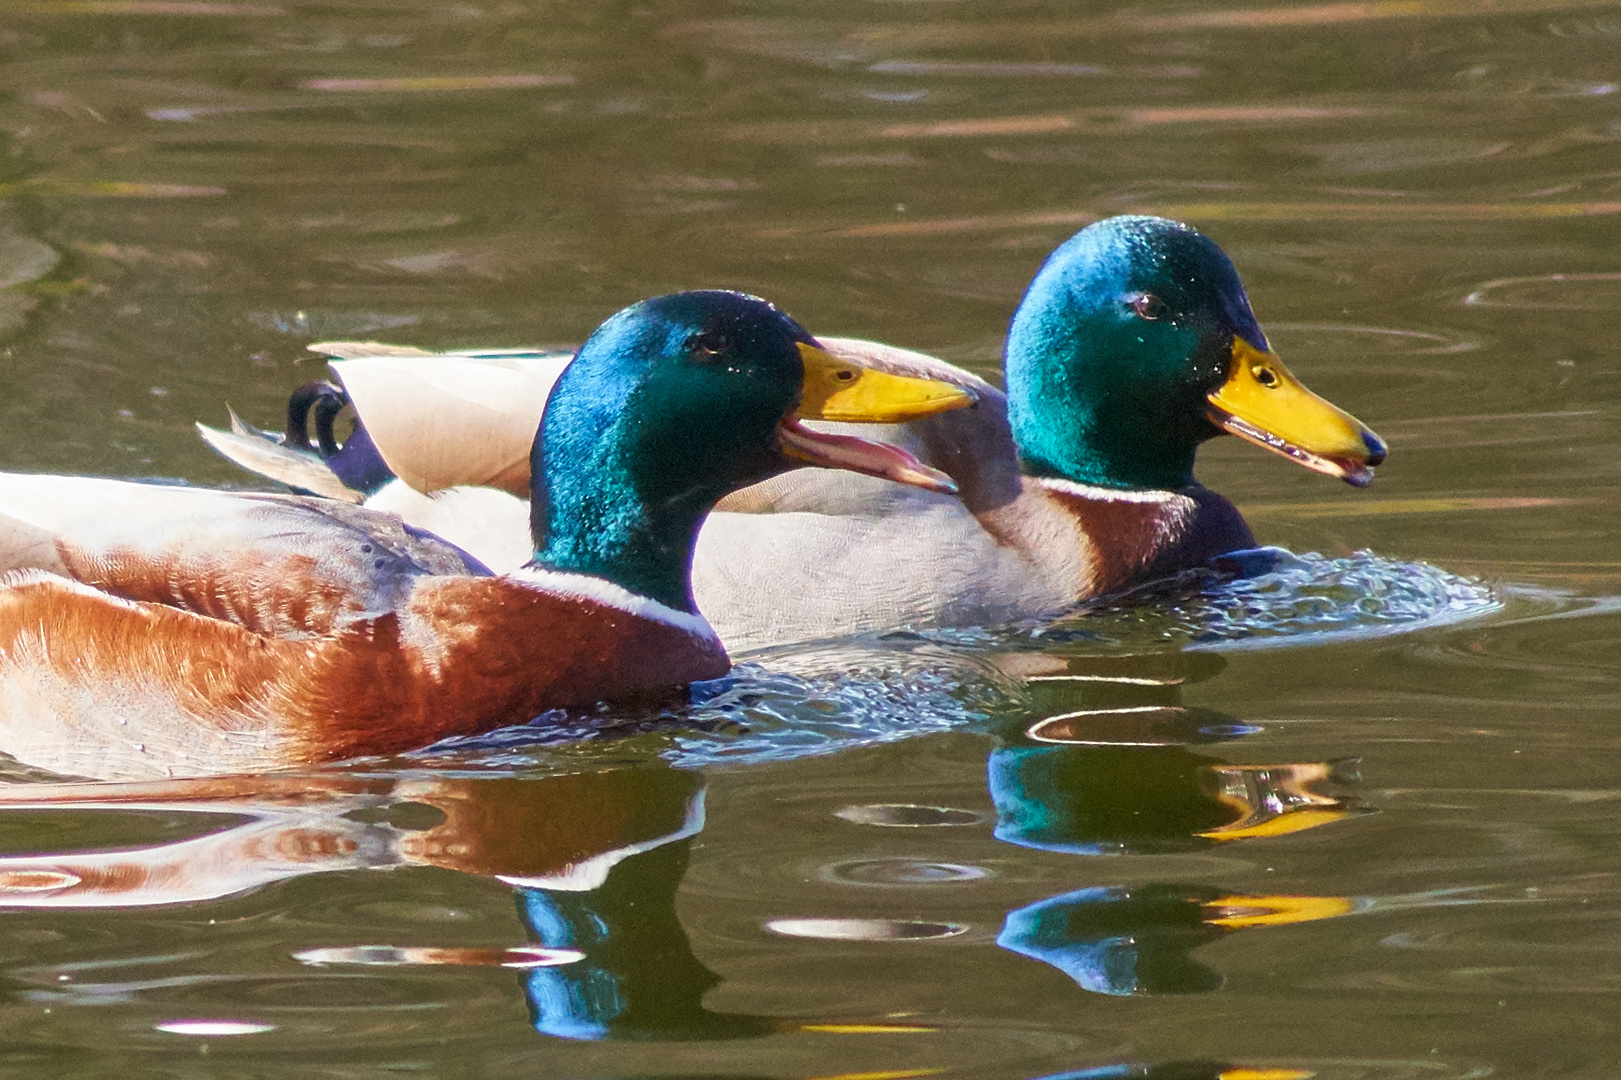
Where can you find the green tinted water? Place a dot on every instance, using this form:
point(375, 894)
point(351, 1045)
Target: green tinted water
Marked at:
point(1358, 855)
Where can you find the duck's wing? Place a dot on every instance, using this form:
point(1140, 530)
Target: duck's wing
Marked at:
point(438, 419)
point(490, 525)
point(260, 452)
point(354, 350)
point(445, 419)
point(284, 566)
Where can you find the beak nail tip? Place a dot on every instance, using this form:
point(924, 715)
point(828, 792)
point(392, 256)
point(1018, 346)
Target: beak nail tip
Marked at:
point(1376, 448)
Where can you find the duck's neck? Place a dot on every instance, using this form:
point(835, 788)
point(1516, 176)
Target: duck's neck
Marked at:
point(1075, 421)
point(594, 519)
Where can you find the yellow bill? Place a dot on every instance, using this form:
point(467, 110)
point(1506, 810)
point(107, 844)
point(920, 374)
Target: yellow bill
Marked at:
point(839, 390)
point(1264, 404)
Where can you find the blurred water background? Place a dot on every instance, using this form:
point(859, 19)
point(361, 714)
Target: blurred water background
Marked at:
point(1358, 818)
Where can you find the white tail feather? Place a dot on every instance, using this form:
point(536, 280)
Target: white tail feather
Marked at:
point(258, 454)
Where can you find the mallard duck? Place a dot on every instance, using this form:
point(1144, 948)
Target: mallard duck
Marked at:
point(149, 630)
point(1134, 344)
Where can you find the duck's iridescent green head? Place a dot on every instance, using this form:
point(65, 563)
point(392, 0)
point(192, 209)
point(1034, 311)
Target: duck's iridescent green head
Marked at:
point(1134, 344)
point(676, 402)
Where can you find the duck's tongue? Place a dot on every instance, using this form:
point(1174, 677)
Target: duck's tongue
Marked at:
point(860, 455)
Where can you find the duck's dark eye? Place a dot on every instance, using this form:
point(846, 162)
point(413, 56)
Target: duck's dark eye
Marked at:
point(708, 346)
point(1150, 307)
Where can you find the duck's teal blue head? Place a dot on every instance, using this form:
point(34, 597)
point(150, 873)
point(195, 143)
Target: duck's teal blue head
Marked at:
point(1135, 343)
point(678, 401)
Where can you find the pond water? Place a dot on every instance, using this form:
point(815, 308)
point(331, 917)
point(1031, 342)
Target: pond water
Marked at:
point(1358, 817)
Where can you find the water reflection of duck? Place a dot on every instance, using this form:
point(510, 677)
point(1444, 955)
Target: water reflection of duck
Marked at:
point(596, 859)
point(1134, 344)
point(562, 832)
point(1109, 770)
point(637, 976)
point(1136, 940)
point(170, 631)
point(1116, 800)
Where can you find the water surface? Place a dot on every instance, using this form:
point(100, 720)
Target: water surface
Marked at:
point(1355, 819)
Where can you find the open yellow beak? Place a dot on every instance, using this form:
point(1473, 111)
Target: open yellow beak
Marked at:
point(839, 390)
point(1264, 404)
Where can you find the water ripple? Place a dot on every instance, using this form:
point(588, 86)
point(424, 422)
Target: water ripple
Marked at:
point(784, 705)
point(1261, 598)
point(806, 700)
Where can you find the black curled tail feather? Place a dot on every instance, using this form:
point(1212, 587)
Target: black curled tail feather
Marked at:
point(356, 461)
point(325, 401)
